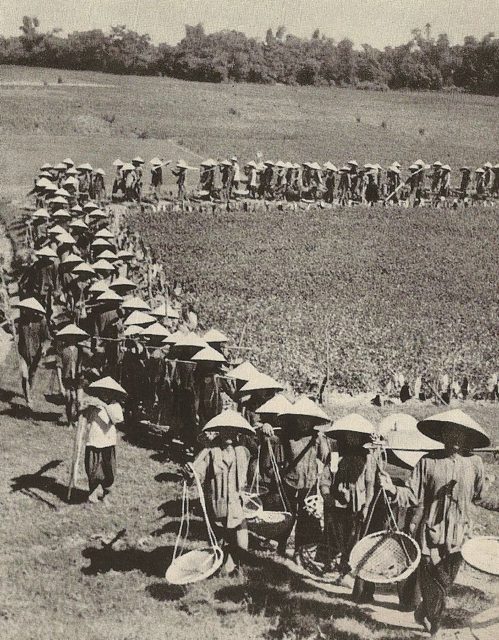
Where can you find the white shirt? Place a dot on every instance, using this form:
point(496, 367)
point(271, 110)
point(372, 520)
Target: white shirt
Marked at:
point(101, 421)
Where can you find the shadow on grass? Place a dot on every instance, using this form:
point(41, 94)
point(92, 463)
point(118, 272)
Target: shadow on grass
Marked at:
point(105, 559)
point(298, 609)
point(7, 395)
point(168, 476)
point(470, 602)
point(29, 482)
point(21, 411)
point(197, 529)
point(165, 592)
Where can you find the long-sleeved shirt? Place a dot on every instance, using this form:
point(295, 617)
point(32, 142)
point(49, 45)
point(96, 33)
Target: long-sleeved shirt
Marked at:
point(224, 473)
point(101, 424)
point(443, 489)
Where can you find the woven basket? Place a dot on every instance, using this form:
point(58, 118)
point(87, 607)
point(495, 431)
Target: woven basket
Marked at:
point(482, 553)
point(195, 566)
point(271, 524)
point(385, 557)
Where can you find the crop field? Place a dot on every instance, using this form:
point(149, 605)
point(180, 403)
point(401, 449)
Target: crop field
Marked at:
point(392, 290)
point(366, 291)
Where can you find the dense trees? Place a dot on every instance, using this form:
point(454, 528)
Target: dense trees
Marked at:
point(424, 63)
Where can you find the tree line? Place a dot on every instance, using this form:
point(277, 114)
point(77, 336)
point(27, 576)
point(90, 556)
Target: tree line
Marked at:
point(423, 63)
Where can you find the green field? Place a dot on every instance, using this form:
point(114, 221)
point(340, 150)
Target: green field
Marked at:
point(398, 289)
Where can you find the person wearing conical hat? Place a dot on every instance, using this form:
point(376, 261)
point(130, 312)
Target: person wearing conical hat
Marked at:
point(480, 182)
point(372, 190)
point(252, 173)
point(465, 182)
point(157, 176)
point(41, 277)
point(33, 342)
point(345, 185)
point(347, 485)
point(97, 423)
point(443, 486)
point(301, 449)
point(69, 367)
point(118, 190)
point(330, 184)
point(222, 468)
point(444, 189)
point(435, 177)
point(98, 186)
point(180, 173)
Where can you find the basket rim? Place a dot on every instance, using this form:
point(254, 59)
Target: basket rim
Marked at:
point(385, 580)
point(469, 543)
point(216, 552)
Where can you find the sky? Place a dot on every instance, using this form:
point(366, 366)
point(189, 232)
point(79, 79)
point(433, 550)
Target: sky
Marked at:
point(376, 22)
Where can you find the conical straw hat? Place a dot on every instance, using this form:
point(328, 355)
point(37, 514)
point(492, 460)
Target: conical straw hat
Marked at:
point(435, 426)
point(46, 252)
point(306, 408)
point(133, 330)
point(71, 331)
point(134, 303)
point(353, 423)
point(107, 384)
point(228, 418)
point(174, 337)
point(104, 233)
point(103, 265)
point(397, 422)
point(31, 304)
point(208, 354)
point(123, 283)
point(191, 339)
point(140, 318)
point(243, 372)
point(261, 382)
point(214, 336)
point(156, 330)
point(275, 406)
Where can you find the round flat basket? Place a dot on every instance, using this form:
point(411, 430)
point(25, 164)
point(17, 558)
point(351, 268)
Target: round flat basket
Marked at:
point(314, 505)
point(252, 505)
point(482, 553)
point(384, 557)
point(271, 524)
point(194, 566)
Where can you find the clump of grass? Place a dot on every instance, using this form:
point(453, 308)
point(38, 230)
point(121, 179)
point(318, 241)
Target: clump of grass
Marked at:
point(109, 117)
point(234, 112)
point(422, 131)
point(383, 124)
point(357, 119)
point(59, 80)
point(143, 135)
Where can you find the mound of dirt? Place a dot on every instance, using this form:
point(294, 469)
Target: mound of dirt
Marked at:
point(88, 124)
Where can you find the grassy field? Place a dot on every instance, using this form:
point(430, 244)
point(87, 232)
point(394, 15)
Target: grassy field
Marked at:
point(61, 579)
point(40, 123)
point(430, 273)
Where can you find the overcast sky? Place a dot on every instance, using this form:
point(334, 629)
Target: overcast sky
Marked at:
point(377, 22)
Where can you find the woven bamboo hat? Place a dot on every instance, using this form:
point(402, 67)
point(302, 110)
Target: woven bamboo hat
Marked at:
point(261, 382)
point(351, 423)
point(139, 318)
point(243, 372)
point(228, 419)
point(436, 426)
point(72, 333)
point(106, 384)
point(208, 354)
point(306, 411)
point(214, 336)
point(123, 284)
point(400, 432)
point(134, 303)
point(30, 304)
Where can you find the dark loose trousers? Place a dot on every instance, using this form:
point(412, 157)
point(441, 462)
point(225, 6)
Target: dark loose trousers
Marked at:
point(435, 582)
point(100, 466)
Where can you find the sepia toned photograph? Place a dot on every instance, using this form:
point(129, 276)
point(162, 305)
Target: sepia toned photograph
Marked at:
point(249, 335)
